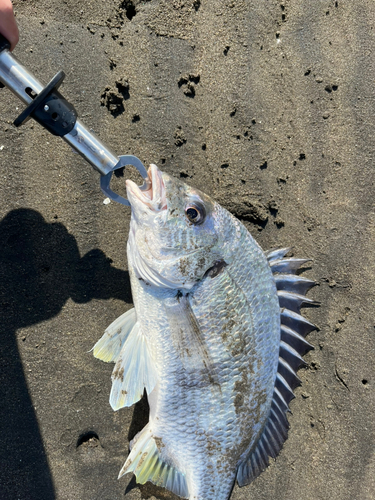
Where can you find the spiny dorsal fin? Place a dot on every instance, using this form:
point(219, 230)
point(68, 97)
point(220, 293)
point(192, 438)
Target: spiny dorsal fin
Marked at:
point(295, 340)
point(293, 301)
point(293, 283)
point(287, 266)
point(147, 465)
point(296, 322)
point(277, 254)
point(291, 290)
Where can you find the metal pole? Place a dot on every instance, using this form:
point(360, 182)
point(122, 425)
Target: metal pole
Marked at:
point(16, 77)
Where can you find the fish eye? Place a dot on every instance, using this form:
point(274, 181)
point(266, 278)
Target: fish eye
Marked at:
point(195, 213)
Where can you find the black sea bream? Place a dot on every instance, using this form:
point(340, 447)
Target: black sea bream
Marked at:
point(215, 338)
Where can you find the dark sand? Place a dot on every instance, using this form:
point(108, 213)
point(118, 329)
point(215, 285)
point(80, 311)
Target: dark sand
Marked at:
point(266, 105)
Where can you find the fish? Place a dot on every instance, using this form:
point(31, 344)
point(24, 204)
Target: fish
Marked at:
point(215, 339)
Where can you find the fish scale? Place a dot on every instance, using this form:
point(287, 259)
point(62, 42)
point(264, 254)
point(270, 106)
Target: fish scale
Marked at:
point(209, 342)
point(169, 407)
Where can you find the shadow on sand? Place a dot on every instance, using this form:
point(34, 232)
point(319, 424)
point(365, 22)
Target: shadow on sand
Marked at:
point(40, 269)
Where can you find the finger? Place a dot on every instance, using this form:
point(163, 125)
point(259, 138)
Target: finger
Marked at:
point(8, 25)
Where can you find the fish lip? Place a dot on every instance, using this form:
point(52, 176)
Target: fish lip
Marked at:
point(152, 193)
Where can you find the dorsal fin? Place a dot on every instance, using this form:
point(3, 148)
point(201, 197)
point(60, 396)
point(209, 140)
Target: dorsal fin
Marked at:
point(277, 254)
point(291, 290)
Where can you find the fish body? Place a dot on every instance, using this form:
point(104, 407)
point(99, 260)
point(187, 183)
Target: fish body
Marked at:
point(204, 340)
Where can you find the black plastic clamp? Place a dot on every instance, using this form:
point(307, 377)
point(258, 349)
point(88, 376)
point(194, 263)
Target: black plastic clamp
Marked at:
point(50, 109)
point(4, 43)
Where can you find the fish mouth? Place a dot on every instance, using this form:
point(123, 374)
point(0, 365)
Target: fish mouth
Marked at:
point(152, 193)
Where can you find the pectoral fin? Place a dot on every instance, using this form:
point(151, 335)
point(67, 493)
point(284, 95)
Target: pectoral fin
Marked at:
point(187, 338)
point(108, 348)
point(134, 371)
point(124, 343)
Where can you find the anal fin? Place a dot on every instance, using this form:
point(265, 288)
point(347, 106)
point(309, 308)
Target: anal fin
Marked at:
point(146, 463)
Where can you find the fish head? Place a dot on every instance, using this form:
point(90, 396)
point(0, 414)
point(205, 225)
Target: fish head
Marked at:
point(174, 238)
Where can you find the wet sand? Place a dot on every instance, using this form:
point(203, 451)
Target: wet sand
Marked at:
point(269, 107)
